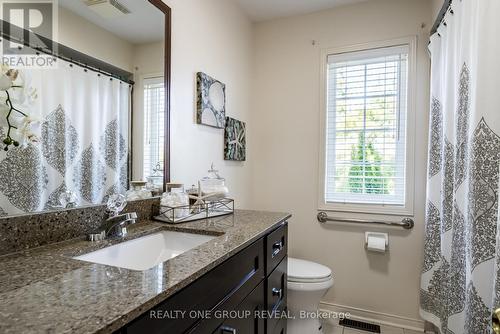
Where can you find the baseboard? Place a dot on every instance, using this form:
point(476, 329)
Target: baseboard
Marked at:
point(375, 317)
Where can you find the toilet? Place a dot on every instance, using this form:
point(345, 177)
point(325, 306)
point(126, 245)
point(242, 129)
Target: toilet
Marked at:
point(307, 282)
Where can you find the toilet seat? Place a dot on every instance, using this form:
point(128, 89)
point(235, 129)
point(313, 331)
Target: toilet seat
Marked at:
point(307, 280)
point(307, 272)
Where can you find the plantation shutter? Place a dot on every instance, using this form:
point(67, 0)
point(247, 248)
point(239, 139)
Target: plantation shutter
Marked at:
point(366, 126)
point(154, 135)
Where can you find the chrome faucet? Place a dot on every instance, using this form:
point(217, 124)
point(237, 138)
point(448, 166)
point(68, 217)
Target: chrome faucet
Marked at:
point(115, 226)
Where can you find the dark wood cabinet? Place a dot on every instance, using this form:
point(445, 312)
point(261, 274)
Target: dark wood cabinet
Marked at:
point(276, 293)
point(245, 319)
point(276, 247)
point(246, 294)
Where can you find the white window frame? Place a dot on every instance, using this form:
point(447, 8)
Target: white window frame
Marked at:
point(386, 209)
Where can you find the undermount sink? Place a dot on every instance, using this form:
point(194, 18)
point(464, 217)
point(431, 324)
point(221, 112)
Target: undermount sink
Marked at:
point(146, 252)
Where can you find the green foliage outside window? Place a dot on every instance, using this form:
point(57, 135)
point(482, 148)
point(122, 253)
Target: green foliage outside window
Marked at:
point(366, 162)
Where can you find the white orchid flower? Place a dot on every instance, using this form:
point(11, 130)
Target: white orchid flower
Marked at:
point(27, 132)
point(24, 126)
point(5, 82)
point(32, 122)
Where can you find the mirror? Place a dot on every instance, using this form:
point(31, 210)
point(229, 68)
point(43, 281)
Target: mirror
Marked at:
point(84, 104)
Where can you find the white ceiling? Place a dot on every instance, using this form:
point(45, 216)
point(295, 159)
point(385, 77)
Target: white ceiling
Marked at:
point(261, 10)
point(145, 23)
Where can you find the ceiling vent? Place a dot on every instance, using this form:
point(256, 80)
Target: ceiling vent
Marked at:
point(107, 8)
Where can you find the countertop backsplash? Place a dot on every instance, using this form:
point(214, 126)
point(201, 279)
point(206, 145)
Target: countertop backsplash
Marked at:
point(23, 232)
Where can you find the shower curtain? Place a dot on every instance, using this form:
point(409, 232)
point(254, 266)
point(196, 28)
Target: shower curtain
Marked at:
point(82, 146)
point(460, 282)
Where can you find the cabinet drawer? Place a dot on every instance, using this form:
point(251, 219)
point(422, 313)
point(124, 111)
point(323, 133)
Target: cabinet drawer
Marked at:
point(244, 320)
point(237, 276)
point(233, 313)
point(276, 247)
point(276, 294)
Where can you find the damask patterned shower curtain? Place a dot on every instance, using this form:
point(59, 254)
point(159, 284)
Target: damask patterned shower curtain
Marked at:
point(460, 282)
point(83, 141)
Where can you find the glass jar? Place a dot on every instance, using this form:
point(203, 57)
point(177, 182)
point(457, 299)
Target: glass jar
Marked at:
point(213, 184)
point(154, 185)
point(175, 198)
point(193, 191)
point(155, 180)
point(138, 191)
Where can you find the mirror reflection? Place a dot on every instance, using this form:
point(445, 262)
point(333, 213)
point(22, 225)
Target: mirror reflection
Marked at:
point(92, 125)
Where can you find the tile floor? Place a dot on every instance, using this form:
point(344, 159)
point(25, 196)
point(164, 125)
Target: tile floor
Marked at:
point(384, 329)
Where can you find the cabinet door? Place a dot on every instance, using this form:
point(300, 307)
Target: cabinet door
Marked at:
point(247, 318)
point(276, 247)
point(276, 295)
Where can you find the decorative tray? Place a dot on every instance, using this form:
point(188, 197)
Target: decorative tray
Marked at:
point(186, 213)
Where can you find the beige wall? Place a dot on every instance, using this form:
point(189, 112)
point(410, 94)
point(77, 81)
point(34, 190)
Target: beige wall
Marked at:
point(148, 58)
point(285, 131)
point(215, 37)
point(86, 37)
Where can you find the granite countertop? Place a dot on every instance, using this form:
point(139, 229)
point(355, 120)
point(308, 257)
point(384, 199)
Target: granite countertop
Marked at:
point(44, 290)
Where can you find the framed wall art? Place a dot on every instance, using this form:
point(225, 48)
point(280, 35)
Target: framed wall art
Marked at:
point(234, 140)
point(211, 101)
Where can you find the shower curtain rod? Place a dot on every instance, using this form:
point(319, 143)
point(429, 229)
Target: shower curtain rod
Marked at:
point(49, 47)
point(441, 15)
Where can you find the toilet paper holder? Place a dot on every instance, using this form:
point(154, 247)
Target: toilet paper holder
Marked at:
point(377, 234)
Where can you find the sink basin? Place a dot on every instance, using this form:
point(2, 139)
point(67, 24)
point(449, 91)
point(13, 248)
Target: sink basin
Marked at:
point(146, 252)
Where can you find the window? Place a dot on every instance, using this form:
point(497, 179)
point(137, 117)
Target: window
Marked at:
point(365, 143)
point(154, 136)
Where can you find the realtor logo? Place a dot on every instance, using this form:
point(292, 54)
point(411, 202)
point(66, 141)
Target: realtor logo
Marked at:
point(28, 33)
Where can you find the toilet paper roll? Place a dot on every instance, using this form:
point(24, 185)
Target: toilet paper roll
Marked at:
point(376, 243)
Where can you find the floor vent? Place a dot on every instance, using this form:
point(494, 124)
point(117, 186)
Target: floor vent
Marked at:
point(360, 325)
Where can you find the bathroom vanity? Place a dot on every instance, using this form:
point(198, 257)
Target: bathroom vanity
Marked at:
point(253, 281)
point(241, 268)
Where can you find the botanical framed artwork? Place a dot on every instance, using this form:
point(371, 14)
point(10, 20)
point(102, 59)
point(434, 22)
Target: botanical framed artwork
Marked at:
point(234, 140)
point(211, 101)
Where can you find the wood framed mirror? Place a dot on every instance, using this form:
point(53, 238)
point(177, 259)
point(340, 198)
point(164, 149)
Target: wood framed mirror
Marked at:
point(167, 82)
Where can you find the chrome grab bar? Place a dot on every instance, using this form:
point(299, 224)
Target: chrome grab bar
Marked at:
point(406, 223)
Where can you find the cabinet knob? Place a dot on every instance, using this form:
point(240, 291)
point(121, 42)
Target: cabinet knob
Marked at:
point(277, 292)
point(227, 330)
point(277, 247)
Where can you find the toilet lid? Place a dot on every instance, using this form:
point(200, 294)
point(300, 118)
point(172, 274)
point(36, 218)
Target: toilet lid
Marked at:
point(302, 270)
